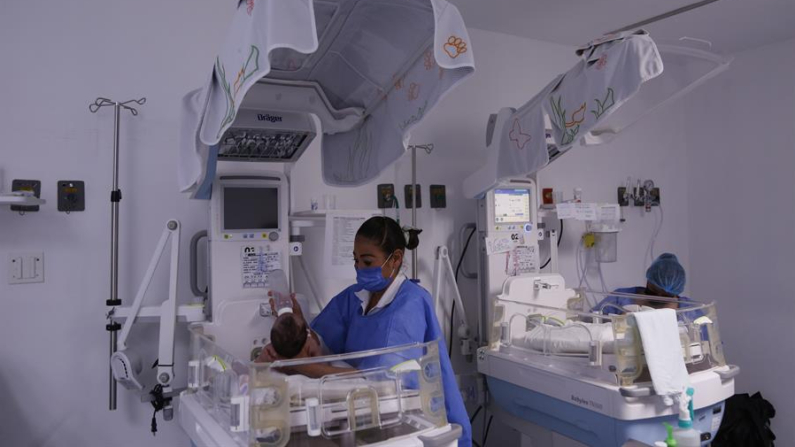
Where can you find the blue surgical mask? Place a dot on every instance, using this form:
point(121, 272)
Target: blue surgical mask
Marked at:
point(372, 278)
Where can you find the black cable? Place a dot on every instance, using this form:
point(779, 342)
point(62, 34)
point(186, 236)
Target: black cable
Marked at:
point(486, 434)
point(158, 402)
point(452, 309)
point(560, 236)
point(472, 419)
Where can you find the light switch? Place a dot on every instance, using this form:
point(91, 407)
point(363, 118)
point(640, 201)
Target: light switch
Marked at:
point(25, 268)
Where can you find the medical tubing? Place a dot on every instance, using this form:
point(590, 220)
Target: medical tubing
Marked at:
point(653, 240)
point(475, 414)
point(311, 281)
point(602, 278)
point(583, 268)
point(452, 309)
point(486, 434)
point(560, 236)
point(414, 201)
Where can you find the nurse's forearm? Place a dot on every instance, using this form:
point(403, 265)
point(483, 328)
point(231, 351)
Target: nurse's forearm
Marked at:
point(318, 370)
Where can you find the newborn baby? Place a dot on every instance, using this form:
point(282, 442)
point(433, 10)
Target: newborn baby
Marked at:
point(291, 337)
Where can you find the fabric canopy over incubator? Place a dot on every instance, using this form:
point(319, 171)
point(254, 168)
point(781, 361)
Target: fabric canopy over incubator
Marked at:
point(619, 79)
point(367, 72)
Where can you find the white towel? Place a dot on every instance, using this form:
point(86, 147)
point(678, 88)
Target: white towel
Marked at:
point(659, 332)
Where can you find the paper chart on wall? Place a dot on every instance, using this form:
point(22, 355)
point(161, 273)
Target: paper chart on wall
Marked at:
point(341, 228)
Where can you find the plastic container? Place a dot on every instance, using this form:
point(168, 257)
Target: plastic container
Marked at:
point(280, 292)
point(607, 247)
point(686, 435)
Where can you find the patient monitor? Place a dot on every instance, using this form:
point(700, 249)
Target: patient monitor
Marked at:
point(248, 241)
point(509, 236)
point(248, 235)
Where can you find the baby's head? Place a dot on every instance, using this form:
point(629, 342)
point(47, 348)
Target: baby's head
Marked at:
point(289, 335)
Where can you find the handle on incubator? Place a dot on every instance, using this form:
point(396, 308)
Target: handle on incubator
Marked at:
point(638, 391)
point(194, 264)
point(442, 439)
point(730, 373)
point(462, 239)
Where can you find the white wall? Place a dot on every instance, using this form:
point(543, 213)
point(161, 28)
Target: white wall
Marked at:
point(58, 57)
point(741, 160)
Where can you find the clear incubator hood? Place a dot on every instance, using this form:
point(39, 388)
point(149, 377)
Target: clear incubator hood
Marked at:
point(685, 69)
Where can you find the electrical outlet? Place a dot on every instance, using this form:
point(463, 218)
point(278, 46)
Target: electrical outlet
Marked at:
point(438, 196)
point(408, 197)
point(386, 196)
point(26, 185)
point(71, 196)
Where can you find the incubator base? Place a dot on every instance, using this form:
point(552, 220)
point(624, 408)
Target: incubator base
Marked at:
point(205, 431)
point(555, 423)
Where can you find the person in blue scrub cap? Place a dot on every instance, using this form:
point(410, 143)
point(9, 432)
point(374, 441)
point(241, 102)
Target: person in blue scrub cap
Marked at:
point(383, 309)
point(664, 278)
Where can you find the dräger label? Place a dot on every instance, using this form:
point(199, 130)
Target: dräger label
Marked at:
point(270, 118)
point(582, 401)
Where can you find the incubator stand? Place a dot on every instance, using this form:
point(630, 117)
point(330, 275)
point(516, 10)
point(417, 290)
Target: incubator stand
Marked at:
point(233, 401)
point(551, 361)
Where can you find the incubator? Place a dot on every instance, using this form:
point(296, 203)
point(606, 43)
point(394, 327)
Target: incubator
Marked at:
point(554, 363)
point(234, 401)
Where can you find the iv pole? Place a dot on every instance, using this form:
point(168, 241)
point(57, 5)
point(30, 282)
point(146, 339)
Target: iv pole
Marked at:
point(428, 148)
point(115, 198)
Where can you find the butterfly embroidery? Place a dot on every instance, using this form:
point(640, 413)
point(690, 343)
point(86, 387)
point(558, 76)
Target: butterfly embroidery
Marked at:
point(517, 136)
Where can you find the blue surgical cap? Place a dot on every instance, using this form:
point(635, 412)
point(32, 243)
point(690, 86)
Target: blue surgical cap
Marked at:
point(667, 273)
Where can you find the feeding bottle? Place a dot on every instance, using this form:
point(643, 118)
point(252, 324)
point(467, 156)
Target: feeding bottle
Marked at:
point(685, 435)
point(280, 292)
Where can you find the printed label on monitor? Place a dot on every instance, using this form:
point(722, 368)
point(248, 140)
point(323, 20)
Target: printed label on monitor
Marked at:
point(256, 264)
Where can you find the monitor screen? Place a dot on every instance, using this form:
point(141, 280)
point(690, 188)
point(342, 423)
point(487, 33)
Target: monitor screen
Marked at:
point(511, 205)
point(251, 208)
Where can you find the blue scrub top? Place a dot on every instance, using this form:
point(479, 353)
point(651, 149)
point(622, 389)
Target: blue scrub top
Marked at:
point(409, 318)
point(622, 301)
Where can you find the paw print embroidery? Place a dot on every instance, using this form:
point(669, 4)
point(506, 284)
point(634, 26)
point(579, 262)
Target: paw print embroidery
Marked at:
point(399, 84)
point(455, 47)
point(249, 6)
point(414, 91)
point(517, 136)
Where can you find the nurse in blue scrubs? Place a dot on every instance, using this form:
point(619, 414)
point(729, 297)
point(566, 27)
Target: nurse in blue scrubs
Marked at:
point(383, 309)
point(665, 278)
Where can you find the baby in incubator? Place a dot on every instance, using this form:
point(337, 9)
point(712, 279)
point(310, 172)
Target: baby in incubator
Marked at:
point(291, 338)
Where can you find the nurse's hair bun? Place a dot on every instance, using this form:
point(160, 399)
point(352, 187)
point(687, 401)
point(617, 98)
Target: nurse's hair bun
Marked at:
point(387, 234)
point(412, 237)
